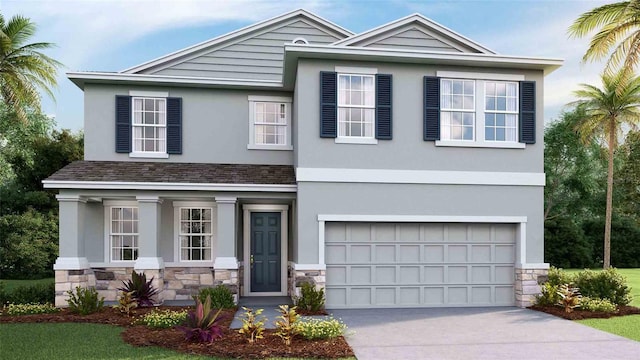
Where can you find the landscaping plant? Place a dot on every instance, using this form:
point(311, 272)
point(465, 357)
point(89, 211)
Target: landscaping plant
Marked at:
point(29, 309)
point(548, 295)
point(569, 297)
point(126, 303)
point(202, 325)
point(141, 289)
point(162, 319)
point(558, 277)
point(606, 284)
point(28, 294)
point(310, 299)
point(221, 297)
point(252, 324)
point(328, 328)
point(597, 305)
point(286, 323)
point(84, 301)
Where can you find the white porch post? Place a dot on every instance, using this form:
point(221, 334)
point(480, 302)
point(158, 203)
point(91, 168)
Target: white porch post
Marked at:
point(226, 264)
point(149, 233)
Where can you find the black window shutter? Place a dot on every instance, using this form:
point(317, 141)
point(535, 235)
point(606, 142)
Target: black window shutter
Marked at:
point(328, 104)
point(174, 125)
point(527, 112)
point(384, 124)
point(431, 108)
point(123, 124)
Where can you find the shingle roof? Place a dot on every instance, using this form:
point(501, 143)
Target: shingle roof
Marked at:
point(165, 172)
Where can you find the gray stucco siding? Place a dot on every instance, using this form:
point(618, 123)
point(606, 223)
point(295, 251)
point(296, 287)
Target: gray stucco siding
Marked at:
point(215, 126)
point(408, 199)
point(407, 150)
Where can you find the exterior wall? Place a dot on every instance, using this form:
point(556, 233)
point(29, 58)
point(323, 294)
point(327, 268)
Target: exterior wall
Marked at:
point(256, 57)
point(414, 38)
point(407, 150)
point(215, 126)
point(528, 285)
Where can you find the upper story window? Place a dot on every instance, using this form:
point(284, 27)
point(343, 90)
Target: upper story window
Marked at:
point(501, 111)
point(149, 125)
point(458, 109)
point(356, 106)
point(270, 123)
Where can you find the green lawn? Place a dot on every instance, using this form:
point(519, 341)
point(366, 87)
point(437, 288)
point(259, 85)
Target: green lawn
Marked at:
point(11, 284)
point(633, 279)
point(627, 326)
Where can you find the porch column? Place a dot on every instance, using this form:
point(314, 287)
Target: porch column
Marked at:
point(149, 233)
point(226, 264)
point(71, 267)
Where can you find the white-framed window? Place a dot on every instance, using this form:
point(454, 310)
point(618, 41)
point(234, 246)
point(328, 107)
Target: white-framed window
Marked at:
point(195, 230)
point(149, 125)
point(122, 232)
point(270, 123)
point(479, 109)
point(356, 106)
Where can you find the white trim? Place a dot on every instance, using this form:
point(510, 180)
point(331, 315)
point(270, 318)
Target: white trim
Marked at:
point(148, 199)
point(379, 176)
point(106, 203)
point(130, 185)
point(260, 98)
point(284, 246)
point(356, 70)
point(270, 147)
point(309, 267)
point(70, 198)
point(321, 236)
point(193, 204)
point(149, 155)
point(148, 263)
point(301, 39)
point(533, 266)
point(237, 33)
point(356, 140)
point(157, 94)
point(177, 248)
point(423, 218)
point(71, 263)
point(222, 199)
point(479, 76)
point(485, 144)
point(225, 263)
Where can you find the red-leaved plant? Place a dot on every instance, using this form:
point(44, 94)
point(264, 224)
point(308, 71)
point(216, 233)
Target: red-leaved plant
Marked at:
point(141, 290)
point(202, 325)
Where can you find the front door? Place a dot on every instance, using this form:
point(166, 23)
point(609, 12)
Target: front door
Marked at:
point(265, 252)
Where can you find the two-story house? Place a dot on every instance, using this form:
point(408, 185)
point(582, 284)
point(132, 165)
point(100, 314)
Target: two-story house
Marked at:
point(398, 167)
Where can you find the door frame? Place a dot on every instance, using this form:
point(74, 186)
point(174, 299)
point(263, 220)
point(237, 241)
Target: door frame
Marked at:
point(284, 246)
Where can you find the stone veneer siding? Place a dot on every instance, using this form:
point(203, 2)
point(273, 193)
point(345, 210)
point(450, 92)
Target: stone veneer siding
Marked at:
point(528, 285)
point(298, 277)
point(70, 279)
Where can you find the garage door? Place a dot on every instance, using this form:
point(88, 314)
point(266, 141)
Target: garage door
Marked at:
point(419, 265)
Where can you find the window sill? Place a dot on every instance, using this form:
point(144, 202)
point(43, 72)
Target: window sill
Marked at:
point(270, 147)
point(150, 155)
point(487, 144)
point(356, 140)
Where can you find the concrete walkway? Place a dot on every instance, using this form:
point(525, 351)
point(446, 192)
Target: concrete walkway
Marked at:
point(269, 304)
point(478, 333)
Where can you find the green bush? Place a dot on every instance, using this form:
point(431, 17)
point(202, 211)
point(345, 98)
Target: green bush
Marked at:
point(84, 301)
point(625, 241)
point(605, 284)
point(548, 295)
point(221, 297)
point(160, 319)
point(311, 328)
point(28, 294)
point(598, 305)
point(28, 309)
point(565, 245)
point(559, 277)
point(310, 299)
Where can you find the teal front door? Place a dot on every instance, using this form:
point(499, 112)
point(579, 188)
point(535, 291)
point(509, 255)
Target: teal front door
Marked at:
point(265, 252)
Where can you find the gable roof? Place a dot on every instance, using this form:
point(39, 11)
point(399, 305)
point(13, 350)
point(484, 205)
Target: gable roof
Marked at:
point(419, 20)
point(229, 37)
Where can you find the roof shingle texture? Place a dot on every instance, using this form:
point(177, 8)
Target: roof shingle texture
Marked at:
point(165, 172)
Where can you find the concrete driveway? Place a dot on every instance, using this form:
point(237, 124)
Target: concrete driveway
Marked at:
point(478, 333)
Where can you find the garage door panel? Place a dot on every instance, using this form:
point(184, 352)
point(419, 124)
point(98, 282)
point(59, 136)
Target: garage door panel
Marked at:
point(393, 265)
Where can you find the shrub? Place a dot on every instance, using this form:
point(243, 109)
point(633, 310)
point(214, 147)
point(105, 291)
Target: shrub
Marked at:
point(598, 305)
point(559, 277)
point(84, 301)
point(221, 297)
point(28, 309)
point(252, 324)
point(126, 303)
point(606, 284)
point(286, 323)
point(161, 319)
point(312, 328)
point(311, 299)
point(569, 297)
point(202, 325)
point(141, 289)
point(28, 294)
point(548, 295)
point(565, 244)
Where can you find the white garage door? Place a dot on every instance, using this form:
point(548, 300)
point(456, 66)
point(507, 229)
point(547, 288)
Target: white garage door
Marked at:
point(419, 264)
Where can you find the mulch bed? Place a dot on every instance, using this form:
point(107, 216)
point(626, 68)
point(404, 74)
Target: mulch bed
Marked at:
point(578, 314)
point(232, 344)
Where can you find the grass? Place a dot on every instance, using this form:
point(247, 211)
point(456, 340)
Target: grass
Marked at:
point(626, 326)
point(633, 280)
point(75, 342)
point(12, 284)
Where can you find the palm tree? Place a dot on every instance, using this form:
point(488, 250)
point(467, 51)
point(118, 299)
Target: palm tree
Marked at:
point(607, 111)
point(618, 34)
point(23, 68)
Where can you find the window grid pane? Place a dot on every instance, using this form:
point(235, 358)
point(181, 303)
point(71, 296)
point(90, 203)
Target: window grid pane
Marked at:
point(356, 105)
point(149, 125)
point(124, 234)
point(195, 234)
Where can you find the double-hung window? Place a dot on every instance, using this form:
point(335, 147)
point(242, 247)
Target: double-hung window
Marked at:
point(457, 101)
point(356, 106)
point(195, 233)
point(149, 125)
point(501, 111)
point(123, 233)
point(270, 123)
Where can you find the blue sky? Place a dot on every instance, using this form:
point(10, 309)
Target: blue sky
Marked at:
point(111, 35)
